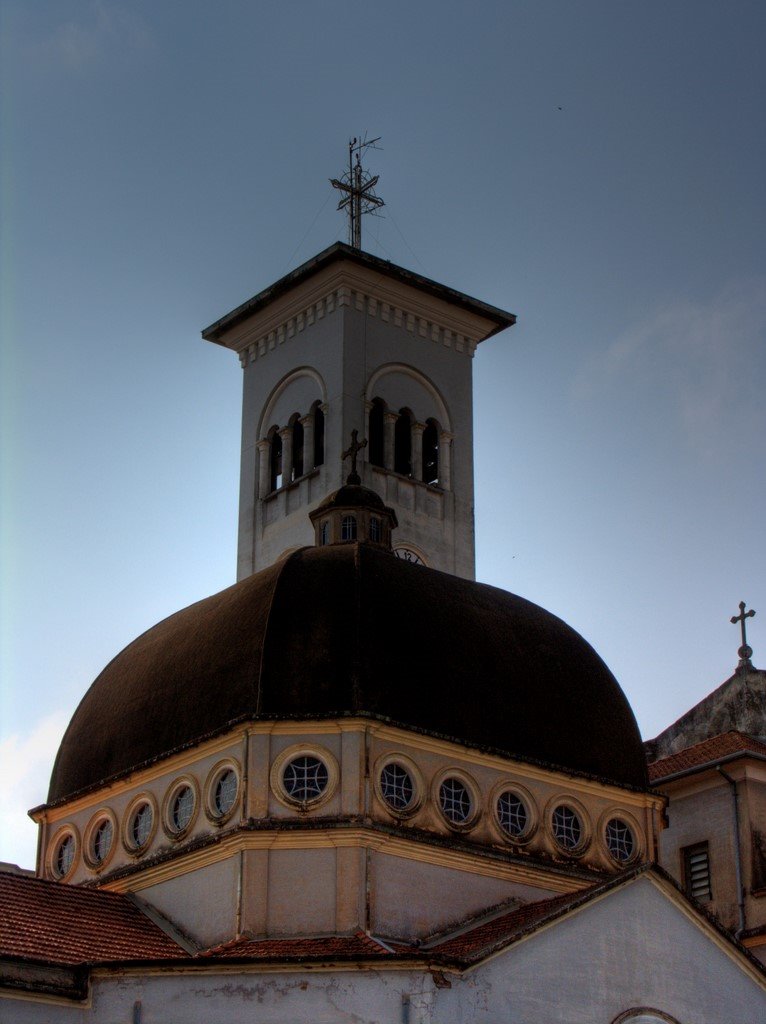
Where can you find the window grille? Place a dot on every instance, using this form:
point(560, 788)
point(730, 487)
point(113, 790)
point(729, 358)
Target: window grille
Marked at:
point(305, 778)
point(182, 809)
point(141, 826)
point(697, 871)
point(396, 786)
point(65, 856)
point(619, 839)
point(225, 792)
point(567, 830)
point(512, 814)
point(348, 528)
point(375, 530)
point(102, 840)
point(455, 801)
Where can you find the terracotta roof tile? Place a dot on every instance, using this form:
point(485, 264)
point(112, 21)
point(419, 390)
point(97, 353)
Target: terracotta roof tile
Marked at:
point(712, 749)
point(325, 948)
point(476, 941)
point(64, 924)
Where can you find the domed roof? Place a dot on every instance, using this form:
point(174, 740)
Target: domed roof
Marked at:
point(352, 496)
point(351, 630)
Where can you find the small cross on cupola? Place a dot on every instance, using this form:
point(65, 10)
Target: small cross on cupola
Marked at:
point(351, 452)
point(353, 514)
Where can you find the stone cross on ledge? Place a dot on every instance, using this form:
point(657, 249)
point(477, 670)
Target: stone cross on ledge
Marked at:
point(353, 450)
point(745, 652)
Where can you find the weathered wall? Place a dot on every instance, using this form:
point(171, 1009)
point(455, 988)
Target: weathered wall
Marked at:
point(633, 948)
point(203, 902)
point(739, 703)
point(411, 900)
point(704, 815)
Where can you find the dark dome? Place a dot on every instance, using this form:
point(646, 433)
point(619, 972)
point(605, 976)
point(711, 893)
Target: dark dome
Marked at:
point(352, 496)
point(351, 630)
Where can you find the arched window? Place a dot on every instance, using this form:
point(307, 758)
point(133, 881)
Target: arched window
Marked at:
point(348, 528)
point(324, 533)
point(376, 533)
point(376, 432)
point(318, 435)
point(275, 460)
point(297, 447)
point(403, 443)
point(431, 452)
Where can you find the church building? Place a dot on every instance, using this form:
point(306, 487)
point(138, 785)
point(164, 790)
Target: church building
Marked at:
point(357, 785)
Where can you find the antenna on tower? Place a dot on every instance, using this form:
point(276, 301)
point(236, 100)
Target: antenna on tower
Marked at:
point(358, 186)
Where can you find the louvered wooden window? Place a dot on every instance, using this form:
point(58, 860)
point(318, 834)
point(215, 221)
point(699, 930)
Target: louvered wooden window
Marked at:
point(697, 871)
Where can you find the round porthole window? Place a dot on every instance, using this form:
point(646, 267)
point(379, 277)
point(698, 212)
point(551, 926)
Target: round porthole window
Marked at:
point(567, 828)
point(225, 791)
point(222, 791)
point(512, 814)
point(455, 800)
point(140, 826)
point(396, 786)
point(101, 845)
point(620, 840)
point(63, 855)
point(305, 778)
point(180, 807)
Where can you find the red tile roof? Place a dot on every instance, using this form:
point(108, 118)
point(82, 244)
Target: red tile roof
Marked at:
point(63, 924)
point(474, 943)
point(714, 749)
point(346, 947)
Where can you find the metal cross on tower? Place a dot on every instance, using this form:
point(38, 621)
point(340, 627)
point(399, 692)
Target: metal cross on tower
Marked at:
point(745, 652)
point(353, 450)
point(358, 186)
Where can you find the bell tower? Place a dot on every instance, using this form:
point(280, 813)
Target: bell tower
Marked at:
point(347, 342)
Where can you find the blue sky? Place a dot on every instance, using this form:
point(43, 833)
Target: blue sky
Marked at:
point(595, 167)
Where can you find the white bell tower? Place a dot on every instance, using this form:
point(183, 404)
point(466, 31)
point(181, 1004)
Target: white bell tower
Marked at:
point(348, 341)
point(351, 342)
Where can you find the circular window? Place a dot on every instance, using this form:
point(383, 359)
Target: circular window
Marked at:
point(305, 778)
point(140, 826)
point(180, 807)
point(512, 814)
point(98, 842)
point(455, 800)
point(620, 840)
point(566, 827)
point(63, 855)
point(222, 790)
point(396, 786)
point(101, 844)
point(225, 792)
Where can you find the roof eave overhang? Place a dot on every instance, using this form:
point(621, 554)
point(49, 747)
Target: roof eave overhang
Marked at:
point(499, 319)
point(707, 766)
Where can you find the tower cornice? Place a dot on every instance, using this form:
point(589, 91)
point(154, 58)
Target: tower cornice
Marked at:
point(342, 276)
